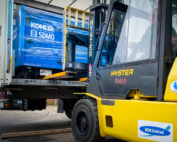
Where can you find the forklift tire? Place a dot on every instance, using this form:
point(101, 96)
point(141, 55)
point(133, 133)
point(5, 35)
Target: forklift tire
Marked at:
point(85, 123)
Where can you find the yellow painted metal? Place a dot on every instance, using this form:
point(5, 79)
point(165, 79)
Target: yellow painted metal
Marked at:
point(58, 75)
point(88, 94)
point(54, 76)
point(108, 29)
point(113, 25)
point(11, 63)
point(169, 94)
point(82, 79)
point(74, 9)
point(67, 13)
point(83, 20)
point(76, 18)
point(136, 97)
point(126, 113)
point(136, 92)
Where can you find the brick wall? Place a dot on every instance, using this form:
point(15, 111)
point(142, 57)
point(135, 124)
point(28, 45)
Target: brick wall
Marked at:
point(51, 102)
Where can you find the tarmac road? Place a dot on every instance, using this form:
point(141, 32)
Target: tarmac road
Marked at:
point(18, 121)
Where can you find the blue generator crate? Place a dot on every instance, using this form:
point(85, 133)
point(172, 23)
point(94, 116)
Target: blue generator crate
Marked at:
point(37, 39)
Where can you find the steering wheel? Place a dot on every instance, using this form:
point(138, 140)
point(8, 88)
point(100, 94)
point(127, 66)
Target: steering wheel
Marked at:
point(135, 50)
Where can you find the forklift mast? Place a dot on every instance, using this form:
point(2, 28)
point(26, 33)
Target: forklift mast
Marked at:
point(97, 18)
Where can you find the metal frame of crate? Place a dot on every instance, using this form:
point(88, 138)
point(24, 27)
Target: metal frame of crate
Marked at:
point(67, 15)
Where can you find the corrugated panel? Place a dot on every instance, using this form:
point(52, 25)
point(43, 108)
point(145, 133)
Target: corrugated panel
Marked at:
point(43, 1)
point(79, 4)
point(61, 3)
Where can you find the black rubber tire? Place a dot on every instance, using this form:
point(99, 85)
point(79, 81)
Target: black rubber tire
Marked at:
point(89, 108)
point(68, 111)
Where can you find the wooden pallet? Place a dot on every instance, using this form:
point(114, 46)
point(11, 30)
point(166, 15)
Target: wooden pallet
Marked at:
point(35, 133)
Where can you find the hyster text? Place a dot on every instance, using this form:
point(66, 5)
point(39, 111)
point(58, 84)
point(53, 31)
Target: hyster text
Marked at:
point(122, 72)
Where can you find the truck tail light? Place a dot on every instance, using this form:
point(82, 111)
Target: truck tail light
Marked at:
point(90, 70)
point(2, 95)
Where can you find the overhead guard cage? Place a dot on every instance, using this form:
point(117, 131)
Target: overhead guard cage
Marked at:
point(67, 15)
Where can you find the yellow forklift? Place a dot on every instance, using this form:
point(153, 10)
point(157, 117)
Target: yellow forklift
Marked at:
point(132, 78)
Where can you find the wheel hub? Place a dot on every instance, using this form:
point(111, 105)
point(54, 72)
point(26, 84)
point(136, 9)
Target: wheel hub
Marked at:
point(84, 121)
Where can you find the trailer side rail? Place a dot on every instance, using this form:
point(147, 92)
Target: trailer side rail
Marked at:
point(35, 82)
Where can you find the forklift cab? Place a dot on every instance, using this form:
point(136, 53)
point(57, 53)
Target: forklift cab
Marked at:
point(133, 84)
point(136, 51)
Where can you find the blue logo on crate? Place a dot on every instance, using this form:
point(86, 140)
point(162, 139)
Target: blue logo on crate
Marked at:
point(155, 131)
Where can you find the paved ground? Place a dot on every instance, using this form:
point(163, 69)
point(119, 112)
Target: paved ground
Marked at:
point(19, 121)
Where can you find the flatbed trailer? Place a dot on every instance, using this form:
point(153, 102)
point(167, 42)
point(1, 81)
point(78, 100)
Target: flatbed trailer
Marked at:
point(34, 91)
point(41, 89)
point(23, 85)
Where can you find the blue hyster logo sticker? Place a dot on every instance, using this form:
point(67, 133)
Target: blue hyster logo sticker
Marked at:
point(173, 87)
point(155, 131)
